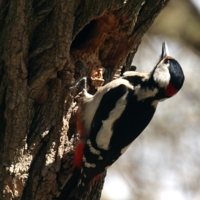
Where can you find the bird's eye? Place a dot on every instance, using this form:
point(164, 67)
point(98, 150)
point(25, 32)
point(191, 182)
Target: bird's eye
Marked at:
point(166, 61)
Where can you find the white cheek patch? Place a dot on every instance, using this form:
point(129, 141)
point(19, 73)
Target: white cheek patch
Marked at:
point(161, 75)
point(105, 133)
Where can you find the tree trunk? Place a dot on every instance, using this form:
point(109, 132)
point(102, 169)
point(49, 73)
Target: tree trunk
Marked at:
point(40, 42)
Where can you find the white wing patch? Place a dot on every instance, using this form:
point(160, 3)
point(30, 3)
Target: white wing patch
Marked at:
point(105, 133)
point(91, 104)
point(92, 149)
point(87, 164)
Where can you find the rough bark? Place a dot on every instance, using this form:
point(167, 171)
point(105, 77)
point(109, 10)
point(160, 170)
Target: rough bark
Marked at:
point(40, 42)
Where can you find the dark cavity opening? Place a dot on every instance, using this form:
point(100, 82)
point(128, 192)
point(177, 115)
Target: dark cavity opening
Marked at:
point(84, 35)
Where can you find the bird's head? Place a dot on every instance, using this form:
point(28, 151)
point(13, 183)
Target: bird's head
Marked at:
point(168, 73)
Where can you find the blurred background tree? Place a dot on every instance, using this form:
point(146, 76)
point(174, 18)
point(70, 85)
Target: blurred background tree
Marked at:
point(163, 163)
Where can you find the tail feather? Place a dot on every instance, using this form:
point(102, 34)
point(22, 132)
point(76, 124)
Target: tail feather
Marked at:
point(76, 186)
point(69, 186)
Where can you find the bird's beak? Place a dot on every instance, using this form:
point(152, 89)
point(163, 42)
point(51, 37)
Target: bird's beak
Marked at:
point(165, 51)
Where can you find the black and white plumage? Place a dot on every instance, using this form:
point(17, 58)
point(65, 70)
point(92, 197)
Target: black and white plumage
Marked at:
point(117, 114)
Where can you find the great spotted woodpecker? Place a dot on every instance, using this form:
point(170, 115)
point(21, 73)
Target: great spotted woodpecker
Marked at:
point(110, 120)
